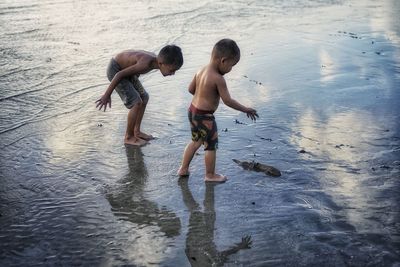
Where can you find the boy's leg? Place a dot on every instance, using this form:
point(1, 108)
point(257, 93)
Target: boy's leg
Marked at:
point(138, 122)
point(211, 176)
point(145, 98)
point(130, 137)
point(188, 154)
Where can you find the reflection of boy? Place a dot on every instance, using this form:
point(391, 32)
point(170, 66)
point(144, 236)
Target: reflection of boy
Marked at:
point(123, 72)
point(207, 87)
point(200, 246)
point(128, 200)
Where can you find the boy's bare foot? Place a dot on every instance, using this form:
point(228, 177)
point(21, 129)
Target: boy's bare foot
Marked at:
point(183, 172)
point(134, 141)
point(219, 178)
point(144, 136)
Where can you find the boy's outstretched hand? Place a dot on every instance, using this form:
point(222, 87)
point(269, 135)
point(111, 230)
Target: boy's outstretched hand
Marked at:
point(252, 114)
point(103, 101)
point(246, 242)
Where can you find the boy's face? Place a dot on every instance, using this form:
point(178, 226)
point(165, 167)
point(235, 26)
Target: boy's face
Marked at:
point(226, 64)
point(167, 69)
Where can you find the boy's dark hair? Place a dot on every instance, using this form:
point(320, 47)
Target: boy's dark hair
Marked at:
point(226, 48)
point(172, 55)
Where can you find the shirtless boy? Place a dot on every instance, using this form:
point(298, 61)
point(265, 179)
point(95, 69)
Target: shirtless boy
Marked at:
point(123, 72)
point(208, 87)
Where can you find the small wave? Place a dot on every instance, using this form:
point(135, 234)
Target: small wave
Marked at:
point(18, 70)
point(16, 9)
point(21, 32)
point(174, 14)
point(40, 89)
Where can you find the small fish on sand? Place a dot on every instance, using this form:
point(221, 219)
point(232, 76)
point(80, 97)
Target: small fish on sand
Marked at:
point(258, 167)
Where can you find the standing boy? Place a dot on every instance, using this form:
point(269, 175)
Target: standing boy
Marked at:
point(123, 72)
point(207, 87)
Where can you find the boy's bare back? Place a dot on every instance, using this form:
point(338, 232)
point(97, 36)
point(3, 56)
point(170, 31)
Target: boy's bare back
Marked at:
point(206, 96)
point(139, 60)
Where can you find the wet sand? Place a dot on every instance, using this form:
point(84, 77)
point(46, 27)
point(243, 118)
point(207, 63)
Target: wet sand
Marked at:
point(323, 75)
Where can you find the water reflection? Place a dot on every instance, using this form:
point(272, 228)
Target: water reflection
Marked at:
point(129, 203)
point(343, 145)
point(200, 247)
point(328, 67)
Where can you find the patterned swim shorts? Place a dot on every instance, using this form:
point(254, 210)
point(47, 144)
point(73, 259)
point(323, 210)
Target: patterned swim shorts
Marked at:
point(203, 127)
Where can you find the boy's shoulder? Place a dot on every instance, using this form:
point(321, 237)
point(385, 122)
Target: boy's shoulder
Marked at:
point(210, 72)
point(209, 77)
point(145, 55)
point(139, 54)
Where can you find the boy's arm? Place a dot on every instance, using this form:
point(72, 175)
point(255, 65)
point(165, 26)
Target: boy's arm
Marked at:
point(192, 86)
point(127, 72)
point(230, 102)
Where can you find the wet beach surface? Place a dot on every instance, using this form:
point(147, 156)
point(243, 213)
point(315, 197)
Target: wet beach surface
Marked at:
point(323, 75)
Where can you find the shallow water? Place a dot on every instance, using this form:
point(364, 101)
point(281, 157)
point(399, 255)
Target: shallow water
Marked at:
point(324, 76)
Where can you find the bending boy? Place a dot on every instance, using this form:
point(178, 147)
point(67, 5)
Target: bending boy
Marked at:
point(207, 87)
point(123, 72)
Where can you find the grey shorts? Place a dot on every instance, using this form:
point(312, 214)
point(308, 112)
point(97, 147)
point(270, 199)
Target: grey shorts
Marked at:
point(129, 89)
